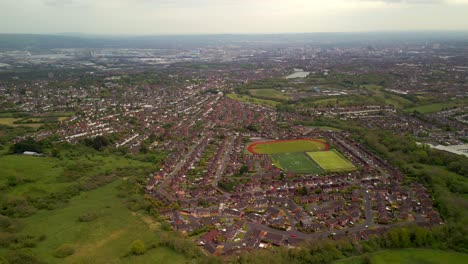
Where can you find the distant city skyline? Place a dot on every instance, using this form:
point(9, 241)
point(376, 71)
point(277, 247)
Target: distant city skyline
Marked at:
point(155, 17)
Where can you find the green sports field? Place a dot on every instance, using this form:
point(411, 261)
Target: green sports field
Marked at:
point(331, 161)
point(295, 162)
point(287, 146)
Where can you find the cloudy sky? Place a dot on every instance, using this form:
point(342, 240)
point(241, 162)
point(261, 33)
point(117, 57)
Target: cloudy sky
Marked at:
point(229, 16)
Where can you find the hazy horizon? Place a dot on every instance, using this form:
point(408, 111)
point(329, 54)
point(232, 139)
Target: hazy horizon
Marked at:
point(200, 17)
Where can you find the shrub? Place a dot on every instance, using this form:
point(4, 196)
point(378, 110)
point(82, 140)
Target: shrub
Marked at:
point(138, 247)
point(87, 217)
point(6, 239)
point(21, 256)
point(5, 222)
point(64, 251)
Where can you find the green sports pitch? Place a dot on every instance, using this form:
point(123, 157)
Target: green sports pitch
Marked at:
point(331, 161)
point(287, 146)
point(295, 162)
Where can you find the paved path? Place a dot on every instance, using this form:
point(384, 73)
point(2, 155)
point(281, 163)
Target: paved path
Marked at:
point(222, 165)
point(162, 187)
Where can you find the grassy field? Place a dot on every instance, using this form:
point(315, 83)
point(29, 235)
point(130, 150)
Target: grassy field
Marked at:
point(41, 175)
point(410, 256)
point(286, 146)
point(9, 121)
point(107, 236)
point(257, 101)
point(22, 119)
point(431, 108)
point(326, 128)
point(103, 240)
point(295, 162)
point(331, 161)
point(268, 94)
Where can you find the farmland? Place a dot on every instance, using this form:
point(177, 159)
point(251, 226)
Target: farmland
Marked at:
point(287, 146)
point(331, 161)
point(295, 162)
point(409, 256)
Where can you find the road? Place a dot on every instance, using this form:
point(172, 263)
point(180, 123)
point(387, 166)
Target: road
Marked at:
point(162, 187)
point(368, 209)
point(222, 165)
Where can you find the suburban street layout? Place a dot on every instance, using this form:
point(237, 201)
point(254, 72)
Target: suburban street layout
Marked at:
point(234, 149)
point(279, 187)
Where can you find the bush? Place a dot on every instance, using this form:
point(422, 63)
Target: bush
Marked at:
point(138, 247)
point(5, 222)
point(17, 207)
point(64, 251)
point(87, 217)
point(166, 226)
point(6, 239)
point(20, 257)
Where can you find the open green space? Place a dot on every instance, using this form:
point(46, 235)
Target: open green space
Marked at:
point(295, 162)
point(326, 128)
point(38, 176)
point(88, 202)
point(272, 94)
point(431, 108)
point(106, 239)
point(9, 121)
point(331, 161)
point(409, 256)
point(249, 99)
point(287, 146)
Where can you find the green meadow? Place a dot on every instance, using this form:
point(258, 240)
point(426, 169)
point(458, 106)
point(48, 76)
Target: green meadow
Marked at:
point(106, 239)
point(431, 108)
point(85, 201)
point(257, 101)
point(271, 94)
point(409, 256)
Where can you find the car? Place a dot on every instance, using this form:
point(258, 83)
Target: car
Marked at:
point(293, 236)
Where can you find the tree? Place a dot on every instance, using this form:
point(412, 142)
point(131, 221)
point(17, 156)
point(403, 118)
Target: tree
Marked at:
point(64, 251)
point(28, 144)
point(302, 191)
point(138, 247)
point(243, 169)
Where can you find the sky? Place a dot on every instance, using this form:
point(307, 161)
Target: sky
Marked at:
point(154, 17)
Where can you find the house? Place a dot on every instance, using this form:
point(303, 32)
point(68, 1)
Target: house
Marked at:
point(208, 237)
point(343, 220)
point(331, 223)
point(232, 212)
point(209, 247)
point(272, 212)
point(273, 239)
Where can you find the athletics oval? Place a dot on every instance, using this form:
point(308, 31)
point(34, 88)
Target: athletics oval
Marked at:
point(287, 146)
